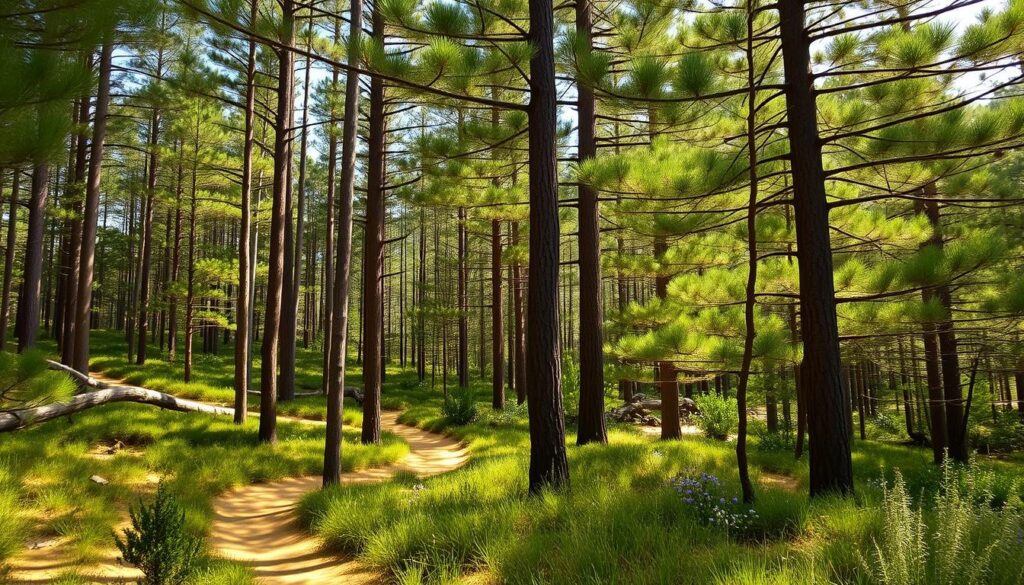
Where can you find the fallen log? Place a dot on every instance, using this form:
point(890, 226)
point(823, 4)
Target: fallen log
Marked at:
point(350, 392)
point(82, 379)
point(12, 420)
point(297, 394)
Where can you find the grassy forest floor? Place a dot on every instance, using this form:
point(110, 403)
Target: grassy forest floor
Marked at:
point(622, 520)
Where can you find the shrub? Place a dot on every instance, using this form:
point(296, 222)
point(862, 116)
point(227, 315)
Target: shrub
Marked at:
point(459, 406)
point(772, 441)
point(889, 424)
point(718, 416)
point(157, 543)
point(1005, 434)
point(512, 414)
point(963, 538)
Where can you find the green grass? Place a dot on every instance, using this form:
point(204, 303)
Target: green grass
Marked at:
point(44, 476)
point(620, 521)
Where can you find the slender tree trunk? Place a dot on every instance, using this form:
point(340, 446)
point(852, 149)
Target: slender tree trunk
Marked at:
point(172, 309)
point(75, 245)
point(497, 321)
point(12, 242)
point(147, 225)
point(329, 251)
point(946, 333)
point(293, 284)
point(463, 302)
point(831, 467)
point(28, 302)
point(668, 385)
point(83, 306)
point(191, 267)
point(519, 315)
point(549, 466)
point(750, 298)
point(339, 317)
point(591, 425)
point(373, 252)
point(276, 273)
point(244, 299)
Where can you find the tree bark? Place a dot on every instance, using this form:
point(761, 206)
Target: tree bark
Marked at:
point(147, 225)
point(591, 425)
point(373, 246)
point(945, 332)
point(276, 274)
point(343, 265)
point(463, 302)
point(519, 327)
point(549, 466)
point(831, 467)
point(12, 242)
point(668, 385)
point(87, 260)
point(290, 312)
point(497, 321)
point(13, 420)
point(28, 304)
point(244, 298)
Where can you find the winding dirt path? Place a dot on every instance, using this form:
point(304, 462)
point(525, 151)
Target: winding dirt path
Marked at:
point(256, 524)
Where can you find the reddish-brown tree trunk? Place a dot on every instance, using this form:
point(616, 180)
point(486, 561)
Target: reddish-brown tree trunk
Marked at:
point(549, 466)
point(831, 467)
point(87, 260)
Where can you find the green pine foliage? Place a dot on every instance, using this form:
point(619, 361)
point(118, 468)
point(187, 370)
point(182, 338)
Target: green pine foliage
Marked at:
point(159, 543)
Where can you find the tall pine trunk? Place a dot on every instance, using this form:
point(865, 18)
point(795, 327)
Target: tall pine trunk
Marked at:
point(549, 466)
point(244, 298)
point(373, 252)
point(12, 242)
point(87, 260)
point(831, 468)
point(591, 425)
point(28, 303)
point(276, 273)
point(343, 264)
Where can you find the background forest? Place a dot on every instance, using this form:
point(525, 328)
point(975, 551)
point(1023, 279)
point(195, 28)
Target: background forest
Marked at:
point(708, 291)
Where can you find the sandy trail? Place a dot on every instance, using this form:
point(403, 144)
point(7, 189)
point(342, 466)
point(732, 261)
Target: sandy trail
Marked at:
point(256, 524)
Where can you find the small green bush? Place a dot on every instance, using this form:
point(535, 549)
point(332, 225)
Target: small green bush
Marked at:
point(509, 416)
point(963, 537)
point(772, 441)
point(459, 406)
point(718, 416)
point(158, 544)
point(1005, 434)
